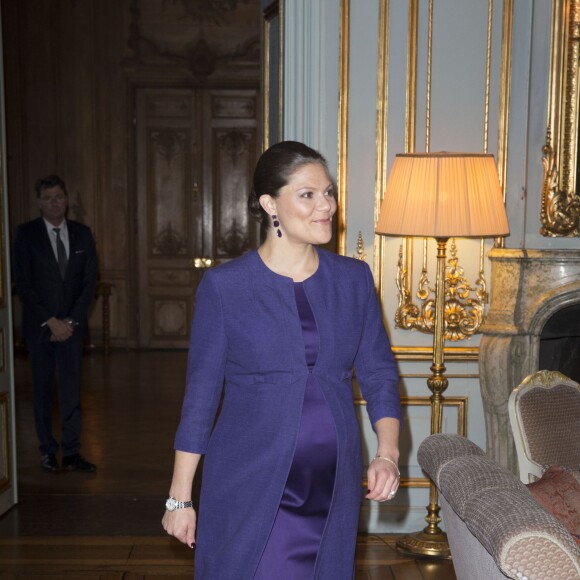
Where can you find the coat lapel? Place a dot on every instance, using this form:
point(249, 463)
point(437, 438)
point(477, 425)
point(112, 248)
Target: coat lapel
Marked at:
point(73, 242)
point(75, 246)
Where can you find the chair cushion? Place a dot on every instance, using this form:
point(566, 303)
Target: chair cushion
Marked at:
point(551, 418)
point(558, 491)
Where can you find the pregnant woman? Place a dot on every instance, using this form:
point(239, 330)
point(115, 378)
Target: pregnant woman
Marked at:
point(276, 337)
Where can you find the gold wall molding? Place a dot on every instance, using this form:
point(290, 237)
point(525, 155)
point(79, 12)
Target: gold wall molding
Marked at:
point(425, 353)
point(560, 202)
point(505, 91)
point(381, 137)
point(344, 76)
point(428, 88)
point(459, 403)
point(447, 375)
point(487, 75)
point(411, 101)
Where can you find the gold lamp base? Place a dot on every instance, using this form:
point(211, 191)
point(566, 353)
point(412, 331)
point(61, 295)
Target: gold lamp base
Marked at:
point(425, 545)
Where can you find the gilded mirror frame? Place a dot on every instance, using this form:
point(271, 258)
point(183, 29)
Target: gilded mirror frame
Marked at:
point(560, 200)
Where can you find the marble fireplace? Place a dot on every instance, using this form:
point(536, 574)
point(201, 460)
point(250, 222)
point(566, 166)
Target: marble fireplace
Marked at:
point(529, 287)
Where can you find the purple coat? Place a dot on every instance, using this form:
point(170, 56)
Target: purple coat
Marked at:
point(246, 330)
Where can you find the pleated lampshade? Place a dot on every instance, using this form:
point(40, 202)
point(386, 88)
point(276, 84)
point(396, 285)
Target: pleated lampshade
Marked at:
point(443, 195)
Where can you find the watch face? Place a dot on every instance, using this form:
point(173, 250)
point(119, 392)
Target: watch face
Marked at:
point(170, 504)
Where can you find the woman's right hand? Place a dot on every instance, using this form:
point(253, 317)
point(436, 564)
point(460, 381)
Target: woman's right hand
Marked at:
point(180, 523)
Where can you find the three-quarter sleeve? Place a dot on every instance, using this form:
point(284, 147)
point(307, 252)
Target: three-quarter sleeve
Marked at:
point(205, 369)
point(375, 365)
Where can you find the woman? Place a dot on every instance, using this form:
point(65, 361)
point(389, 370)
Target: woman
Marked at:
point(284, 326)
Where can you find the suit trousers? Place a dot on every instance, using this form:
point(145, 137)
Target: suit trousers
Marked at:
point(57, 363)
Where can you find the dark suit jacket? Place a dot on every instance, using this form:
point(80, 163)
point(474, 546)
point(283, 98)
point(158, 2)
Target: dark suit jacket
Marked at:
point(41, 289)
point(247, 332)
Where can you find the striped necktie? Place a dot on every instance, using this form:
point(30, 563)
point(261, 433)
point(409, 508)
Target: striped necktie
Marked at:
point(61, 253)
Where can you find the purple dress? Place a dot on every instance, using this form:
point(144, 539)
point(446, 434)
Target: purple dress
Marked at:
point(292, 547)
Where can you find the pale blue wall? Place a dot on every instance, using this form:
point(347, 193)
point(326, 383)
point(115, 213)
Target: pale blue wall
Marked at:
point(457, 124)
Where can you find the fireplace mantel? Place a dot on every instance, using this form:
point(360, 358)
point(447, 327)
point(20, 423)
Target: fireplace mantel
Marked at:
point(529, 286)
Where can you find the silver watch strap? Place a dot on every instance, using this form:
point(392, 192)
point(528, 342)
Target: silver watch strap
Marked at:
point(183, 504)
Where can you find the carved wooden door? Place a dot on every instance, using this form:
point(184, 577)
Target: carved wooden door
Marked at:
point(196, 151)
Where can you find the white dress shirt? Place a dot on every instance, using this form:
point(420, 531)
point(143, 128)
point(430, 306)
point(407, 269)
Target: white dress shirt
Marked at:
point(63, 237)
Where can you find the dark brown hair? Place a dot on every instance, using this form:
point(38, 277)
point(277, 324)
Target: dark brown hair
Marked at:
point(273, 171)
point(48, 182)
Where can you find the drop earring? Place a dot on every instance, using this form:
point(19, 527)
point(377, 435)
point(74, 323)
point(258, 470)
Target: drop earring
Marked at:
point(276, 224)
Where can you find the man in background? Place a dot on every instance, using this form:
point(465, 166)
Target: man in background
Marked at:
point(55, 271)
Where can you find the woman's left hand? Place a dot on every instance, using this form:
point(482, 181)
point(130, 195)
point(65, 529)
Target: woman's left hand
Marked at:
point(383, 480)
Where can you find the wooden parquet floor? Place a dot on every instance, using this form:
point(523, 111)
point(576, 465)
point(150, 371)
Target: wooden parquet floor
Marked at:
point(144, 557)
point(106, 525)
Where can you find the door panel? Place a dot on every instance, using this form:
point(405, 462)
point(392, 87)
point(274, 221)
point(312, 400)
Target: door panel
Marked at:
point(168, 211)
point(233, 161)
point(196, 151)
point(231, 138)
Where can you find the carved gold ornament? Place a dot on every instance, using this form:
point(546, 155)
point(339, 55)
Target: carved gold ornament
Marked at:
point(560, 204)
point(560, 210)
point(464, 304)
point(360, 248)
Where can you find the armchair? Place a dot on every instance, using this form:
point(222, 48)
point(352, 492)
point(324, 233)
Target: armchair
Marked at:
point(544, 413)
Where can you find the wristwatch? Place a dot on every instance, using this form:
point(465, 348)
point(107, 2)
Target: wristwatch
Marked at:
point(172, 504)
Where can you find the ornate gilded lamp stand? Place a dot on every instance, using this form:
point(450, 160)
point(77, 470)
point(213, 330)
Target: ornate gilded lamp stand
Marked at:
point(440, 195)
point(432, 541)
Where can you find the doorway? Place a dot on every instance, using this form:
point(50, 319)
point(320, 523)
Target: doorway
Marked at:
point(195, 154)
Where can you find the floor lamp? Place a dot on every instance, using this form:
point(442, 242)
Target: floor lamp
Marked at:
point(440, 195)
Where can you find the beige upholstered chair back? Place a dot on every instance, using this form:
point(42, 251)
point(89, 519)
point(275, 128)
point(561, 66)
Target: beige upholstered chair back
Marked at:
point(544, 413)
